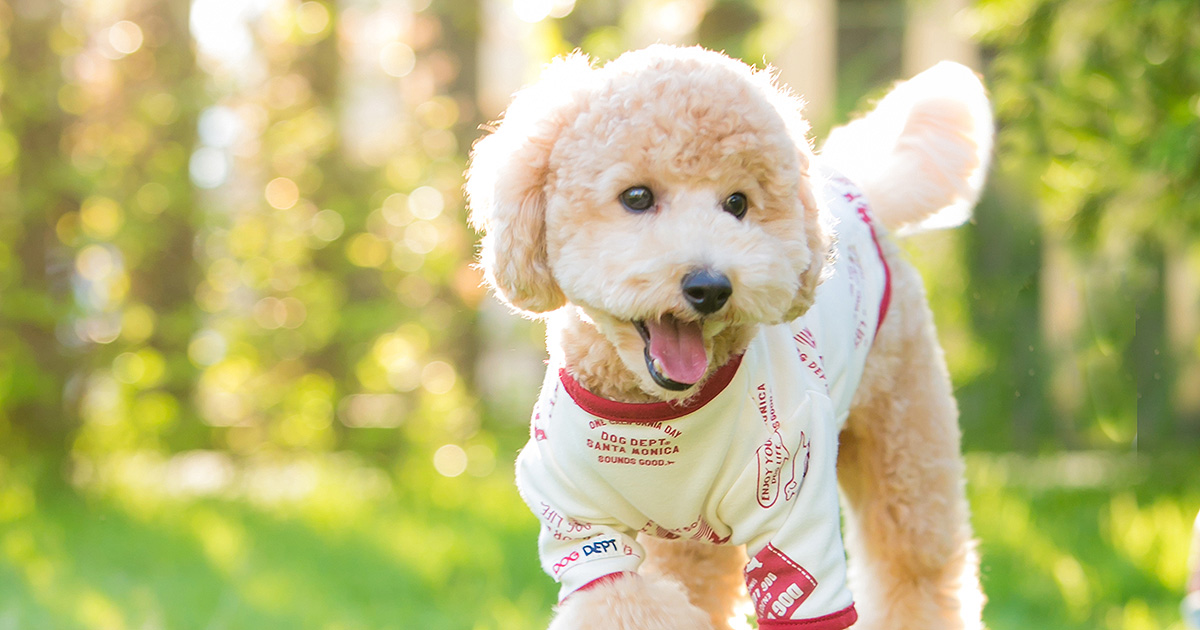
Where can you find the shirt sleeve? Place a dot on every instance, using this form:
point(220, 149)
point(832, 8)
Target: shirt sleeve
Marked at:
point(796, 577)
point(577, 542)
point(780, 588)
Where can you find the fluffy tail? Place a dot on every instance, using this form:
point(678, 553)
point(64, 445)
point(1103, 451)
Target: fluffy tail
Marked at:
point(922, 154)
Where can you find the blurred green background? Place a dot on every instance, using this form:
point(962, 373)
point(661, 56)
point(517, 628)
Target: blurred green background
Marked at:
point(248, 377)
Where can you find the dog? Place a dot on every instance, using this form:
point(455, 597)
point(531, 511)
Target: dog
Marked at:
point(733, 334)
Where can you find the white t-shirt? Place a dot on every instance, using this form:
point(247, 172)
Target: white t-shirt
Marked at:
point(751, 459)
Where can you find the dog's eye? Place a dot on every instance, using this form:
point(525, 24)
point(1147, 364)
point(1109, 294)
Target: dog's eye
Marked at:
point(736, 204)
point(637, 199)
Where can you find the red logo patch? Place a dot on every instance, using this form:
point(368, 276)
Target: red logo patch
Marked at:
point(777, 585)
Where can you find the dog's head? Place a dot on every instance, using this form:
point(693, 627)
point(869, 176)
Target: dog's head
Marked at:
point(665, 194)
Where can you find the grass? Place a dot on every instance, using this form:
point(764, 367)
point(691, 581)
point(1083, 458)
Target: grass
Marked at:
point(1085, 541)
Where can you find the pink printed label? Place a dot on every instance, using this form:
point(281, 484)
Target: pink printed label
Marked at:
point(806, 337)
point(566, 561)
point(777, 584)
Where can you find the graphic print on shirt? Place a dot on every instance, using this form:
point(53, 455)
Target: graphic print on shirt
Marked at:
point(856, 276)
point(612, 445)
point(541, 414)
point(699, 530)
point(593, 549)
point(777, 584)
point(586, 543)
point(855, 197)
point(806, 347)
point(561, 527)
point(773, 455)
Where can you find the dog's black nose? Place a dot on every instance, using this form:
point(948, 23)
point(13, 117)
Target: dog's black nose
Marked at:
point(707, 290)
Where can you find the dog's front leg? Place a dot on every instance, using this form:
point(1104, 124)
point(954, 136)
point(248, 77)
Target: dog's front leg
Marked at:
point(913, 563)
point(711, 574)
point(631, 602)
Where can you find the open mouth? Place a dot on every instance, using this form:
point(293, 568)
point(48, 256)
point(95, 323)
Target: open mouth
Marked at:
point(675, 355)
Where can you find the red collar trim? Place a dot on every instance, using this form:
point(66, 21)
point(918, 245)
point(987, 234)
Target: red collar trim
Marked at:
point(649, 412)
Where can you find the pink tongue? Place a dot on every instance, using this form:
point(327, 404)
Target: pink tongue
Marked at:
point(679, 348)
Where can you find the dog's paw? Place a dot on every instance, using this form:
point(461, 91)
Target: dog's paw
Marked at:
point(632, 602)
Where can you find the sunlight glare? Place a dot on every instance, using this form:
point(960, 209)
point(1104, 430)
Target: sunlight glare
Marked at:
point(221, 30)
point(219, 126)
point(532, 11)
point(561, 8)
point(208, 167)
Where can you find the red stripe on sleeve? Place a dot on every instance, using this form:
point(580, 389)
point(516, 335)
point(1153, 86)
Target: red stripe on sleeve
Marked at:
point(603, 579)
point(839, 620)
point(887, 271)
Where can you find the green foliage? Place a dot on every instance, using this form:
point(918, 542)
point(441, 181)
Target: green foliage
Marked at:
point(144, 308)
point(1102, 122)
point(1105, 94)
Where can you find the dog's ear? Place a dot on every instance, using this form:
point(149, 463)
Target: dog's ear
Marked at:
point(817, 235)
point(506, 183)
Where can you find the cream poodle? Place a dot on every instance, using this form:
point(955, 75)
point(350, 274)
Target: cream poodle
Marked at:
point(733, 335)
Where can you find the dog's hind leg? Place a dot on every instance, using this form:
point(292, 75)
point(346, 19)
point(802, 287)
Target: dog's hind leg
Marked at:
point(711, 574)
point(913, 562)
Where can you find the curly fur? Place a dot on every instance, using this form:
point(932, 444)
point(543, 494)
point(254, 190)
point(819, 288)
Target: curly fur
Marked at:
point(695, 126)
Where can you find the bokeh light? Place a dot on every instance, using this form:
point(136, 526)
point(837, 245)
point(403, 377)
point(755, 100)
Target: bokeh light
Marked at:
point(101, 217)
point(208, 167)
point(282, 193)
point(125, 37)
point(312, 17)
point(207, 348)
point(397, 59)
point(426, 203)
point(450, 460)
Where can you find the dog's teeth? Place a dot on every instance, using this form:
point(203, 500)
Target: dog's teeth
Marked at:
point(657, 365)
